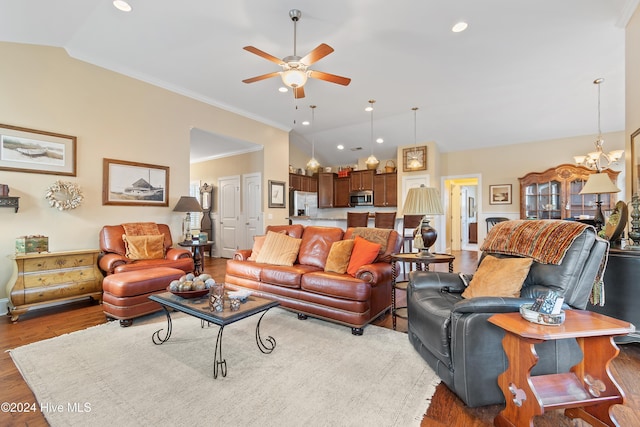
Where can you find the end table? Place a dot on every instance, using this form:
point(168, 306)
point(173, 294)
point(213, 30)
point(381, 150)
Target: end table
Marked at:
point(587, 391)
point(196, 246)
point(420, 261)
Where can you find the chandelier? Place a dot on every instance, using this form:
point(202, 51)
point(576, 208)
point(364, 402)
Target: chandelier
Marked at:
point(414, 163)
point(598, 159)
point(313, 164)
point(372, 162)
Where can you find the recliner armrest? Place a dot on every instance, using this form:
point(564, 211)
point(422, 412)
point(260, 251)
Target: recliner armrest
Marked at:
point(490, 305)
point(437, 280)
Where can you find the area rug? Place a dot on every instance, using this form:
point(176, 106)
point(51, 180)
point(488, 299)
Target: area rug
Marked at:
point(318, 375)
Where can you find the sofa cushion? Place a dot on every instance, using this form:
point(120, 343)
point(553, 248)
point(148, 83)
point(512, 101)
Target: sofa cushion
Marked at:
point(364, 252)
point(144, 246)
point(339, 256)
point(498, 277)
point(279, 249)
point(336, 285)
point(250, 270)
point(294, 230)
point(286, 276)
point(316, 244)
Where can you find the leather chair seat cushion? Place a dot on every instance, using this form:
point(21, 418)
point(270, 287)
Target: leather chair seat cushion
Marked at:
point(140, 282)
point(183, 264)
point(336, 285)
point(430, 314)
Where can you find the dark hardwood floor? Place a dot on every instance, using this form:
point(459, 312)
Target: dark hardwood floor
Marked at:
point(445, 408)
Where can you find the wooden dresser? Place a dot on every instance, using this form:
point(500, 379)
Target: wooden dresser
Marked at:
point(48, 278)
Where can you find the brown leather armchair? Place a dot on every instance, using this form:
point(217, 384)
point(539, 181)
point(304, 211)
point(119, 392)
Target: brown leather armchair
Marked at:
point(113, 259)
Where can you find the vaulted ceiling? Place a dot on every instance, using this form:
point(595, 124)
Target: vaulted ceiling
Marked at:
point(521, 72)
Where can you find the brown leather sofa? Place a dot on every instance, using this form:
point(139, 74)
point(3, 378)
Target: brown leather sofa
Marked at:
point(113, 259)
point(307, 289)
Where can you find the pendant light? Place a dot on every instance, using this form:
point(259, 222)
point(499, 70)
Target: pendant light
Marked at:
point(313, 164)
point(372, 162)
point(414, 163)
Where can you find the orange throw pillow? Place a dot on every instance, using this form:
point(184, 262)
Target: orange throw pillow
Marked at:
point(364, 252)
point(258, 242)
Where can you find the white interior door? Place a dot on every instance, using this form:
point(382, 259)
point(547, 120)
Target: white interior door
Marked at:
point(228, 238)
point(252, 203)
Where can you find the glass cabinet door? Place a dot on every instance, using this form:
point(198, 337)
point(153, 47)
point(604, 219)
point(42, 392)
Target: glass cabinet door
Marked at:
point(543, 200)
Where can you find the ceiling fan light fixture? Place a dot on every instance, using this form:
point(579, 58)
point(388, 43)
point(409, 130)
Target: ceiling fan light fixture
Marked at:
point(294, 78)
point(122, 5)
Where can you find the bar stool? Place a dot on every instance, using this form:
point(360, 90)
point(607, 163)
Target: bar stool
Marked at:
point(357, 219)
point(385, 220)
point(409, 224)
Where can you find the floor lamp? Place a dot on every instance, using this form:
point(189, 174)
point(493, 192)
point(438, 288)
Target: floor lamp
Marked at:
point(423, 201)
point(599, 183)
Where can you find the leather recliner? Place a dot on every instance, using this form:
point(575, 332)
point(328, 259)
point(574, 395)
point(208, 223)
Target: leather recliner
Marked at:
point(454, 337)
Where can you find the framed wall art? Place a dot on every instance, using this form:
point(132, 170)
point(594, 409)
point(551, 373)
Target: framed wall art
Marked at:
point(134, 184)
point(414, 159)
point(276, 194)
point(500, 194)
point(36, 151)
point(635, 162)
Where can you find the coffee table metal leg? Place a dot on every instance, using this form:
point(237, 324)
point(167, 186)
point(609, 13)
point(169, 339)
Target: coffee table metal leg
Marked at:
point(218, 362)
point(268, 346)
point(156, 337)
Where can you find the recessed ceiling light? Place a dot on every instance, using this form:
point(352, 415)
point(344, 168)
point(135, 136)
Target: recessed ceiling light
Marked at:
point(305, 123)
point(459, 27)
point(340, 147)
point(283, 89)
point(379, 140)
point(122, 5)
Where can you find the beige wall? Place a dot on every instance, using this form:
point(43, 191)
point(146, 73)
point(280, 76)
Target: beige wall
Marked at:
point(112, 116)
point(632, 87)
point(505, 164)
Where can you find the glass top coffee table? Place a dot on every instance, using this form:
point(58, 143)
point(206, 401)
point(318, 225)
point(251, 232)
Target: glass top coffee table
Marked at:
point(199, 308)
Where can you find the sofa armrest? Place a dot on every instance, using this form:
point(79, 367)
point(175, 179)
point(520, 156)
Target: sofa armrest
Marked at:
point(242, 254)
point(177, 253)
point(379, 272)
point(436, 280)
point(108, 262)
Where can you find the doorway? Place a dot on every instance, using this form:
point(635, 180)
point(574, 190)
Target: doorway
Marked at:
point(229, 236)
point(462, 206)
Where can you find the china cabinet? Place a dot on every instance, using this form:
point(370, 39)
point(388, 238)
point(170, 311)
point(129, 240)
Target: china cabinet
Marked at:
point(555, 193)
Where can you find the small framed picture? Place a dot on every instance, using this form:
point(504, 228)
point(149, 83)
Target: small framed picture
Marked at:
point(500, 194)
point(276, 194)
point(414, 159)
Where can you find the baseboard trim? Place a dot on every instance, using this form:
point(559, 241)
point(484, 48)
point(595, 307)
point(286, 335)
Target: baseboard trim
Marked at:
point(4, 306)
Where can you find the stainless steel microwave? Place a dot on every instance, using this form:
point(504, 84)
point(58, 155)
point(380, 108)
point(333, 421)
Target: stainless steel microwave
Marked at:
point(361, 198)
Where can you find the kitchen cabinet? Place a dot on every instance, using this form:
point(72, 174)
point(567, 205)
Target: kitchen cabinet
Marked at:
point(385, 189)
point(341, 187)
point(325, 189)
point(303, 183)
point(555, 193)
point(362, 180)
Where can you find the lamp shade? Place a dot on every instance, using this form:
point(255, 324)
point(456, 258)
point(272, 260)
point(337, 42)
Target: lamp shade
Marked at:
point(423, 201)
point(599, 183)
point(188, 204)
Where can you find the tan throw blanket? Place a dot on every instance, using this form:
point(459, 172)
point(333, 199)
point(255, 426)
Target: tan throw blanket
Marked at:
point(546, 241)
point(374, 235)
point(140, 228)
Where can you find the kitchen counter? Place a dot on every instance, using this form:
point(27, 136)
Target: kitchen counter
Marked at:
point(340, 222)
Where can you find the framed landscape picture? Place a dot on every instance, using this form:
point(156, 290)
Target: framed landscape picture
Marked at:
point(36, 151)
point(500, 194)
point(134, 184)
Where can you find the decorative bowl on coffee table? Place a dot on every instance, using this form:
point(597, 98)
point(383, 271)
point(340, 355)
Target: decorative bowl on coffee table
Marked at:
point(189, 294)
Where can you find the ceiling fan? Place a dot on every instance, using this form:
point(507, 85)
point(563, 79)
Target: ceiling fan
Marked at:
point(295, 69)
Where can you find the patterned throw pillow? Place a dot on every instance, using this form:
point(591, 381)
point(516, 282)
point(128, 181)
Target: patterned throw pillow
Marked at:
point(498, 277)
point(279, 249)
point(144, 247)
point(339, 256)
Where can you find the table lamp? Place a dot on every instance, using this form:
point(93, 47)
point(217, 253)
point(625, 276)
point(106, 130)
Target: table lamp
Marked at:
point(599, 183)
point(423, 201)
point(187, 204)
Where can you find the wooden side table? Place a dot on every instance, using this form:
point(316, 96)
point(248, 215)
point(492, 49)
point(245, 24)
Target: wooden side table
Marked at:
point(420, 261)
point(196, 247)
point(588, 391)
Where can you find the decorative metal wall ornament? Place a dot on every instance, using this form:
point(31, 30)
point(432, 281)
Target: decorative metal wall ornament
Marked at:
point(64, 195)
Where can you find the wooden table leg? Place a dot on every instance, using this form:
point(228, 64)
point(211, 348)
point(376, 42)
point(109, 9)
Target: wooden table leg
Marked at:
point(521, 403)
point(596, 377)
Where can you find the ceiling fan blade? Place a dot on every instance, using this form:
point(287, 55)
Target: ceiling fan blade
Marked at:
point(330, 77)
point(298, 92)
point(262, 77)
point(317, 54)
point(263, 54)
